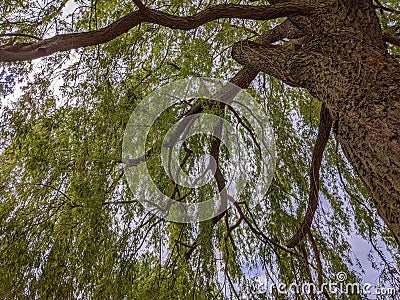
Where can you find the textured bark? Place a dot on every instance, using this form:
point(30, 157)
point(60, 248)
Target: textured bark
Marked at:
point(343, 61)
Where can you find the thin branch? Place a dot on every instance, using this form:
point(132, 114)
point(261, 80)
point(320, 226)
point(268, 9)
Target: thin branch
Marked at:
point(218, 176)
point(258, 232)
point(55, 189)
point(133, 162)
point(67, 42)
point(168, 263)
point(232, 285)
point(246, 127)
point(307, 267)
point(229, 231)
point(234, 226)
point(324, 130)
point(191, 249)
point(384, 8)
point(320, 273)
point(119, 202)
point(189, 152)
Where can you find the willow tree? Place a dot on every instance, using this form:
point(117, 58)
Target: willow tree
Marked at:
point(72, 73)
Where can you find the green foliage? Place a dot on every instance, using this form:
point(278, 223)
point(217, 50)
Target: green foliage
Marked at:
point(69, 225)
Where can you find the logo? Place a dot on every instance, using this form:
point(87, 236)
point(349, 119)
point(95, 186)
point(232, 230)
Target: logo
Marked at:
point(237, 163)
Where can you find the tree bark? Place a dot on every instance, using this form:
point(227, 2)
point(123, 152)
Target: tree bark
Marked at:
point(343, 61)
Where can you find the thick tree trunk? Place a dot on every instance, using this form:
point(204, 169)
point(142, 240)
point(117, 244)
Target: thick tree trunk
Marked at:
point(343, 61)
point(366, 105)
point(368, 130)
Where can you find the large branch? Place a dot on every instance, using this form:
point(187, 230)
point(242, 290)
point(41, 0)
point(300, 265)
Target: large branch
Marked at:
point(275, 60)
point(324, 131)
point(284, 30)
point(65, 42)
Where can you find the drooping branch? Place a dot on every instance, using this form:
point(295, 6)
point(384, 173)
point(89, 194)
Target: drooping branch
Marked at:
point(65, 42)
point(324, 130)
point(307, 269)
point(255, 229)
point(317, 257)
point(218, 175)
point(286, 65)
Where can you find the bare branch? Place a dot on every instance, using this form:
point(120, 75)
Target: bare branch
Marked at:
point(324, 130)
point(67, 42)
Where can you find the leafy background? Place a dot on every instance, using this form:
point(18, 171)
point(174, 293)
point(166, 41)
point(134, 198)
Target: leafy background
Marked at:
point(71, 228)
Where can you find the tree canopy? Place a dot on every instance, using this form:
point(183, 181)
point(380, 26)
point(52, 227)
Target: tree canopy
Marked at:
point(72, 74)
